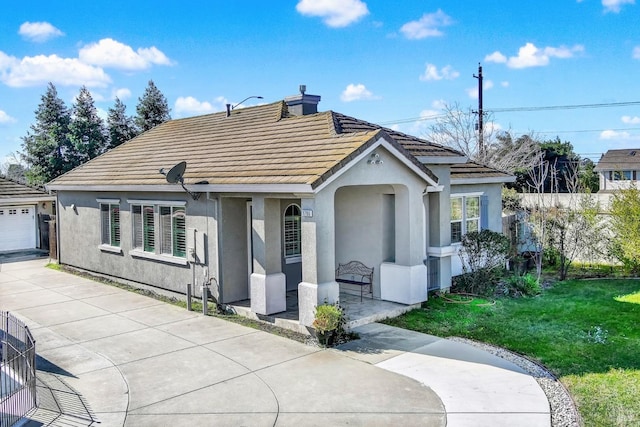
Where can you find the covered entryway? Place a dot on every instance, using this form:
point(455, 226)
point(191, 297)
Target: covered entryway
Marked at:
point(17, 228)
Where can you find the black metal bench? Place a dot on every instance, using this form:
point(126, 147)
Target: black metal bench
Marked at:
point(355, 273)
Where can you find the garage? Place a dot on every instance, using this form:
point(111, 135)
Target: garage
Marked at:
point(18, 225)
point(24, 210)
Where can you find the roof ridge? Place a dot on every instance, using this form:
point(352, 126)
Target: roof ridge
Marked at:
point(392, 132)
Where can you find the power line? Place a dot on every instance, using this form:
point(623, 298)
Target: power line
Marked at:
point(564, 107)
point(520, 109)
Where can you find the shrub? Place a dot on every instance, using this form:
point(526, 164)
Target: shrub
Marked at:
point(525, 285)
point(328, 318)
point(483, 255)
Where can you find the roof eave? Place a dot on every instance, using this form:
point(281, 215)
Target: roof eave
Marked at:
point(484, 180)
point(200, 188)
point(443, 160)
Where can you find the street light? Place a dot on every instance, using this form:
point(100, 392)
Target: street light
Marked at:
point(230, 107)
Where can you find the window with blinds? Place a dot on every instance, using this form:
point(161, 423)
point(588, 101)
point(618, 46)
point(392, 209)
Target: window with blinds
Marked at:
point(173, 231)
point(170, 222)
point(110, 221)
point(292, 231)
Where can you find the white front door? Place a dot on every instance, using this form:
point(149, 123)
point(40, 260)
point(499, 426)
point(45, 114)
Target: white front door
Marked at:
point(17, 228)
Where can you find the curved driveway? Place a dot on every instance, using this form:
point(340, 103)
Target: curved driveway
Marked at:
point(141, 362)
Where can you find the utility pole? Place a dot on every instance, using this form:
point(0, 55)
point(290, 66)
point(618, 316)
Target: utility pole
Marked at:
point(480, 113)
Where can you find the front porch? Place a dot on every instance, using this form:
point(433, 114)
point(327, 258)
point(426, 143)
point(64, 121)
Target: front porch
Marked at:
point(358, 313)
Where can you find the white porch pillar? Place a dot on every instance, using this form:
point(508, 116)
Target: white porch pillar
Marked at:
point(268, 283)
point(318, 256)
point(405, 281)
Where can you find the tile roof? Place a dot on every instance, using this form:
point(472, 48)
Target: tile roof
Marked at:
point(619, 160)
point(13, 190)
point(255, 145)
point(476, 170)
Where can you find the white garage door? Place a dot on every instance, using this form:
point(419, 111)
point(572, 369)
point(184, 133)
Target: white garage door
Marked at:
point(17, 228)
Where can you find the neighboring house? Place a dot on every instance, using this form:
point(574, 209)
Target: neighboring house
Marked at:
point(285, 194)
point(619, 169)
point(24, 212)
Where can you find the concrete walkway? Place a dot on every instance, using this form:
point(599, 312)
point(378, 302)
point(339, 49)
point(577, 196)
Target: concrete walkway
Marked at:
point(136, 361)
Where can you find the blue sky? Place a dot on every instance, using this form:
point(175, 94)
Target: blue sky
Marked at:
point(388, 62)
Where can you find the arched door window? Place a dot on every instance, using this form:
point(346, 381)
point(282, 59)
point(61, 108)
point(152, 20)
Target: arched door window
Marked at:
point(292, 233)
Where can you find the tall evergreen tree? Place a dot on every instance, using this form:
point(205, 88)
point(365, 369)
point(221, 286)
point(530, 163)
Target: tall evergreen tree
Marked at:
point(86, 132)
point(152, 108)
point(121, 127)
point(46, 147)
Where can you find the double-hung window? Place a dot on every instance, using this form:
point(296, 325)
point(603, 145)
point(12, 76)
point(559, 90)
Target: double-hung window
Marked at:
point(465, 216)
point(159, 229)
point(110, 223)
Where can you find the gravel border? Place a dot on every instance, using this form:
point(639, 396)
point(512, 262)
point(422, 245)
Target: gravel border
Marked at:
point(563, 409)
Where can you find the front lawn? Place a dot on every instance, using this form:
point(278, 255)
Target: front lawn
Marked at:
point(587, 332)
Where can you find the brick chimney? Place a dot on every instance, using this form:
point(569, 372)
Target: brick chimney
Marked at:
point(302, 104)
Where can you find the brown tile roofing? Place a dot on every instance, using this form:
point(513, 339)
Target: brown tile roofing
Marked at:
point(255, 145)
point(13, 190)
point(476, 170)
point(619, 160)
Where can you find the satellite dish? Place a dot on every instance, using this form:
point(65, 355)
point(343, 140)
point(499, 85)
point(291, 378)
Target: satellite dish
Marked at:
point(175, 173)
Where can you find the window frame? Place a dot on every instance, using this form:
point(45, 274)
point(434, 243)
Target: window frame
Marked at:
point(463, 222)
point(169, 231)
point(622, 175)
point(292, 238)
point(107, 242)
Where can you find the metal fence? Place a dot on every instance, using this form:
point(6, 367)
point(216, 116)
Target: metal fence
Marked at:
point(17, 369)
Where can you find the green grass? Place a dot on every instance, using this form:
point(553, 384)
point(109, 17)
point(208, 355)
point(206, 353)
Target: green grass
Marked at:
point(584, 331)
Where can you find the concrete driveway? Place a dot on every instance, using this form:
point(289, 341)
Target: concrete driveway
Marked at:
point(127, 360)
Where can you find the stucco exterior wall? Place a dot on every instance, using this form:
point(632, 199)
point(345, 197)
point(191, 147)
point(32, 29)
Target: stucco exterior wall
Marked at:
point(494, 210)
point(79, 232)
point(365, 227)
point(234, 274)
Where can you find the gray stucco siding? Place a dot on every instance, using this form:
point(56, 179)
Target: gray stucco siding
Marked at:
point(79, 234)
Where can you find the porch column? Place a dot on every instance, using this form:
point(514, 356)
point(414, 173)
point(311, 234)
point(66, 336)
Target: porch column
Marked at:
point(440, 226)
point(268, 283)
point(318, 256)
point(405, 281)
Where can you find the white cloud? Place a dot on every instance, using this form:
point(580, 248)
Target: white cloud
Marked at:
point(496, 57)
point(473, 92)
point(630, 120)
point(421, 126)
point(40, 69)
point(111, 53)
point(431, 73)
point(504, 84)
point(427, 26)
point(188, 105)
point(39, 31)
point(636, 52)
point(122, 93)
point(615, 5)
point(531, 56)
point(5, 118)
point(357, 92)
point(335, 13)
point(613, 134)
